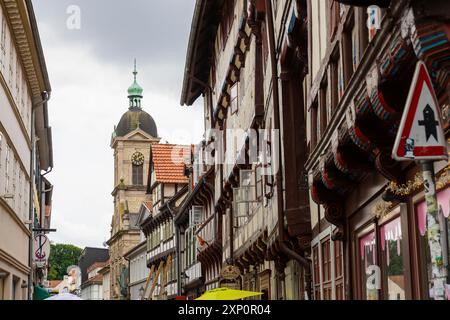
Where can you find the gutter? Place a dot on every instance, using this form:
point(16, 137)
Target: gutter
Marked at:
point(279, 177)
point(43, 67)
point(44, 99)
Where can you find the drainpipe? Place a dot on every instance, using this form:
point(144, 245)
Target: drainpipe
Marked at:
point(45, 96)
point(279, 178)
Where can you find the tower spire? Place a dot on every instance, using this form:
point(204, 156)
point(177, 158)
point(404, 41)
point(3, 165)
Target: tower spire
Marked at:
point(135, 70)
point(135, 91)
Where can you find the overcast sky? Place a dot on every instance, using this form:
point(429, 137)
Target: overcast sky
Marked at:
point(90, 70)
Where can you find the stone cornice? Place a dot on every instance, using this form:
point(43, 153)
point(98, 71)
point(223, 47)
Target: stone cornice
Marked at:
point(14, 262)
point(20, 24)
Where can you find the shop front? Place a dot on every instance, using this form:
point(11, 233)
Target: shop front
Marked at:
point(388, 244)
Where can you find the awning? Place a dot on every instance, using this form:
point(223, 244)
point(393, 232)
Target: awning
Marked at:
point(40, 293)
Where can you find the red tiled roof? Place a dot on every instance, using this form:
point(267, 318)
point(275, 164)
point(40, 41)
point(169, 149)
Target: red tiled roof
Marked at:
point(169, 162)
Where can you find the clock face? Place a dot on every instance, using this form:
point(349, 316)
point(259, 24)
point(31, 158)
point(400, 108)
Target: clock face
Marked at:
point(137, 159)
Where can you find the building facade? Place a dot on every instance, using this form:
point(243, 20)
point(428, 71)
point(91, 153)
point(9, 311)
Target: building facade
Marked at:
point(319, 209)
point(198, 229)
point(131, 141)
point(92, 288)
point(368, 212)
point(106, 278)
point(167, 184)
point(25, 149)
point(253, 48)
point(137, 261)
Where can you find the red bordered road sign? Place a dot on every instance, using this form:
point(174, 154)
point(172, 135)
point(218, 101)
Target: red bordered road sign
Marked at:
point(420, 136)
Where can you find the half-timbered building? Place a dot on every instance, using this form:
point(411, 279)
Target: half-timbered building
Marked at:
point(368, 210)
point(167, 184)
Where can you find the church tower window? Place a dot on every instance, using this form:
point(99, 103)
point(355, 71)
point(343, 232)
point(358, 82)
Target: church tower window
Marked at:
point(138, 173)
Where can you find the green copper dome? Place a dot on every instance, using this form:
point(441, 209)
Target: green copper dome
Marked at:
point(135, 90)
point(135, 117)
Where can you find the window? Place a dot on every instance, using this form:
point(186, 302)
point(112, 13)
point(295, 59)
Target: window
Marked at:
point(314, 127)
point(316, 273)
point(7, 168)
point(340, 78)
point(338, 271)
point(241, 85)
point(327, 262)
point(323, 101)
point(374, 20)
point(392, 260)
point(234, 98)
point(227, 20)
point(138, 173)
point(258, 182)
point(334, 82)
point(265, 45)
point(334, 18)
point(347, 54)
point(356, 49)
point(368, 266)
point(326, 270)
point(381, 259)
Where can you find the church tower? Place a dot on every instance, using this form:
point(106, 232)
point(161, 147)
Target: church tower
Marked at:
point(131, 141)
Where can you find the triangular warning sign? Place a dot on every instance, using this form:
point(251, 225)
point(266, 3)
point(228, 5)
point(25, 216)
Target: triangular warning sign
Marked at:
point(420, 136)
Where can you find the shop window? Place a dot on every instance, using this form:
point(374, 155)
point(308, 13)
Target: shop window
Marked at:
point(443, 197)
point(381, 260)
point(392, 259)
point(368, 266)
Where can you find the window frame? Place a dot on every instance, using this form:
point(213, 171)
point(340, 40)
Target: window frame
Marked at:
point(234, 98)
point(137, 175)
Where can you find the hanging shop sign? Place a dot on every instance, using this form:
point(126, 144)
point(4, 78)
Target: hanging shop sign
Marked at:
point(41, 250)
point(230, 272)
point(420, 136)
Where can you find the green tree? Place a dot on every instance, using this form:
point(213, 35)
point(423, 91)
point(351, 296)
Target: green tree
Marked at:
point(61, 257)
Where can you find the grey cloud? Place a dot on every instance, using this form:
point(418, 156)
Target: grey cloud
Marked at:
point(154, 32)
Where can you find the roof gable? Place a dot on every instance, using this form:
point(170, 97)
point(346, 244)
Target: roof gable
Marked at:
point(169, 162)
